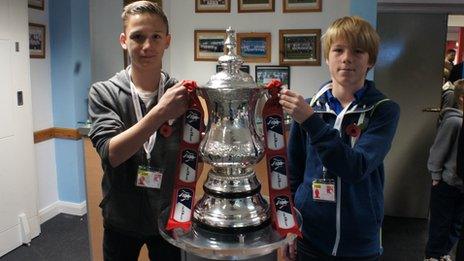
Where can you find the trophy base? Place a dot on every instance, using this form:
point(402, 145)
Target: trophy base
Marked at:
point(232, 229)
point(231, 214)
point(224, 245)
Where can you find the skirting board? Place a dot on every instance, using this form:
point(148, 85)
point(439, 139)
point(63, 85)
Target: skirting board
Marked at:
point(76, 209)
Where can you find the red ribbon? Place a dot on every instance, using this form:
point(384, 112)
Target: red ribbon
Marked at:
point(187, 170)
point(283, 213)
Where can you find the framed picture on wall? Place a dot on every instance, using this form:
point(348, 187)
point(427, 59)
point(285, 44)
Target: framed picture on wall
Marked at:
point(254, 47)
point(266, 73)
point(36, 4)
point(294, 6)
point(209, 44)
point(300, 47)
point(36, 40)
point(249, 6)
point(244, 68)
point(158, 2)
point(212, 6)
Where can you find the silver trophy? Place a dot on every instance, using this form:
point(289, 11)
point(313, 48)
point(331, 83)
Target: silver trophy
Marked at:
point(232, 198)
point(231, 220)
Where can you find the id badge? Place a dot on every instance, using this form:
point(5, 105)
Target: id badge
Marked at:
point(148, 177)
point(324, 190)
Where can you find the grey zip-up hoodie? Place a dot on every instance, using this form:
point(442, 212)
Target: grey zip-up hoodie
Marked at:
point(442, 157)
point(127, 208)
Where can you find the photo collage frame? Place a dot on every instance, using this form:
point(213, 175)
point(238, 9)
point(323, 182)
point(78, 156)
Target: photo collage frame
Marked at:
point(297, 47)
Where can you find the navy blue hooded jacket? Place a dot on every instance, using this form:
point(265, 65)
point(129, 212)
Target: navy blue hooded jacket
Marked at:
point(351, 226)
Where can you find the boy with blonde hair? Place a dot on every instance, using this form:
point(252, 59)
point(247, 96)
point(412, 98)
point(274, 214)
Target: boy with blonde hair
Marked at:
point(337, 145)
point(447, 197)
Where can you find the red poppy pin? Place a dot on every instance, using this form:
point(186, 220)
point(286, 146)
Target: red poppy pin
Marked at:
point(353, 130)
point(166, 130)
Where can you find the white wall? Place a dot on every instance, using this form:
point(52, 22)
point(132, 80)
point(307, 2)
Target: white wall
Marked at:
point(43, 116)
point(456, 20)
point(105, 27)
point(18, 179)
point(183, 19)
point(107, 54)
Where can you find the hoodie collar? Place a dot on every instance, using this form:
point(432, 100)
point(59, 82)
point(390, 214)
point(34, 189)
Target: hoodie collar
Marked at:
point(335, 104)
point(366, 98)
point(122, 80)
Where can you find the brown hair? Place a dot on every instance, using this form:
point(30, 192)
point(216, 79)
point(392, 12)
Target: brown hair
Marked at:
point(357, 32)
point(458, 90)
point(144, 7)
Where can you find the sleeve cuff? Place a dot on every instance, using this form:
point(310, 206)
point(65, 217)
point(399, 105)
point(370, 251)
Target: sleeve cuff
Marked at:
point(314, 126)
point(436, 175)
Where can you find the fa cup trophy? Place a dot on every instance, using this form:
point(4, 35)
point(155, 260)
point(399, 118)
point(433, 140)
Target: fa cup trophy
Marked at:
point(232, 220)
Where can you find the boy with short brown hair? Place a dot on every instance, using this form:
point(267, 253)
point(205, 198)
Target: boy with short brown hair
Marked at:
point(138, 161)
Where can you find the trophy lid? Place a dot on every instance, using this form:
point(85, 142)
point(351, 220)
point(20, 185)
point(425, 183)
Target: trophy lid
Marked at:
point(230, 77)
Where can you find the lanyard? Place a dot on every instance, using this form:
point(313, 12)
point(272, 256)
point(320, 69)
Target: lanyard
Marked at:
point(148, 145)
point(339, 120)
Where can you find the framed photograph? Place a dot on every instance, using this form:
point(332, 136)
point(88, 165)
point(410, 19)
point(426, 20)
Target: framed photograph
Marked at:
point(254, 47)
point(209, 44)
point(300, 47)
point(255, 6)
point(265, 73)
point(158, 2)
point(36, 4)
point(37, 40)
point(212, 6)
point(294, 6)
point(244, 68)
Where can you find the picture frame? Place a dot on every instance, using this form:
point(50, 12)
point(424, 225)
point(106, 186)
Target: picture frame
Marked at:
point(295, 6)
point(254, 47)
point(37, 40)
point(212, 6)
point(265, 73)
point(244, 68)
point(256, 6)
point(36, 4)
point(209, 44)
point(158, 2)
point(300, 47)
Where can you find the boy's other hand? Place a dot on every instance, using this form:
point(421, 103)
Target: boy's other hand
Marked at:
point(295, 105)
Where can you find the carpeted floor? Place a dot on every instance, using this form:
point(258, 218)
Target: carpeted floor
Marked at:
point(65, 237)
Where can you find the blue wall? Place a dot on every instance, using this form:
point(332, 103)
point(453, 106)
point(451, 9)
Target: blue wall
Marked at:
point(70, 74)
point(366, 9)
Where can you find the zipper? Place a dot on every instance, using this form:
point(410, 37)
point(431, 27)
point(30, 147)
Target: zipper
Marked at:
point(339, 186)
point(337, 125)
point(338, 213)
